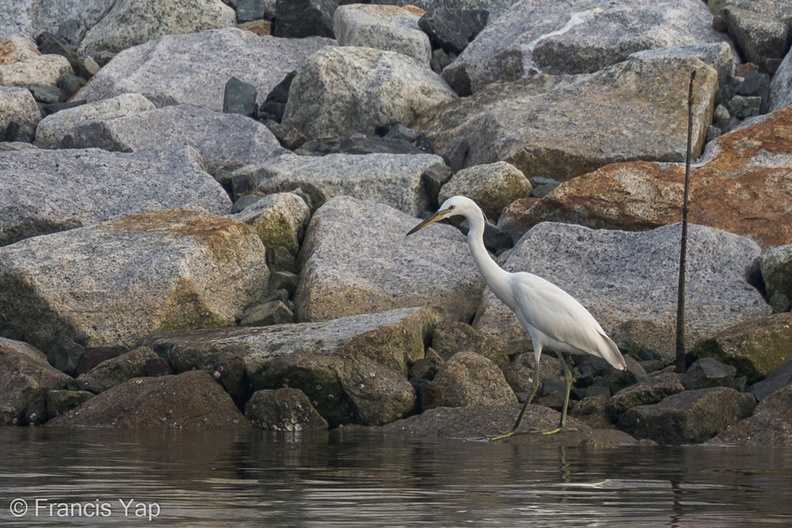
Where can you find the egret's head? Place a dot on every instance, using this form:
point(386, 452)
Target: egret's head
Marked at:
point(456, 205)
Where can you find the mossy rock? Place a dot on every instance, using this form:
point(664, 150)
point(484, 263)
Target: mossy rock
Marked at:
point(754, 347)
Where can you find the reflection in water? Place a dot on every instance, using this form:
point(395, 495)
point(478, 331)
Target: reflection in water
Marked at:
point(360, 478)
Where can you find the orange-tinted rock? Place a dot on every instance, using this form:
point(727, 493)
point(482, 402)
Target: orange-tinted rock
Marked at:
point(744, 187)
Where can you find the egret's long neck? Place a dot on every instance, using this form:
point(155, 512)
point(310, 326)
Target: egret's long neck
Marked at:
point(495, 277)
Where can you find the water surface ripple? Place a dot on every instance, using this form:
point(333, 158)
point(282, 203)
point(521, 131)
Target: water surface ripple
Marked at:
point(361, 478)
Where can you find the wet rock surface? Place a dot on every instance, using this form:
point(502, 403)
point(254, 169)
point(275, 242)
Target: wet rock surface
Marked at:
point(190, 401)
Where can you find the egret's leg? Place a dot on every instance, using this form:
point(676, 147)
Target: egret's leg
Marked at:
point(562, 425)
point(534, 390)
point(568, 379)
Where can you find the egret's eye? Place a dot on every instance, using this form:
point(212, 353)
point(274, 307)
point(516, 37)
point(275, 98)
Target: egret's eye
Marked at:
point(451, 207)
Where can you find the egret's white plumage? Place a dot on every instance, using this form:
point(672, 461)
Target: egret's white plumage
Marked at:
point(553, 318)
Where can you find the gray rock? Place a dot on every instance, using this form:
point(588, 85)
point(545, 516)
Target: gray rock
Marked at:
point(193, 69)
point(45, 93)
point(781, 85)
point(239, 98)
point(453, 29)
point(53, 127)
point(31, 17)
point(776, 266)
point(356, 259)
point(776, 380)
point(768, 427)
point(392, 179)
point(647, 392)
point(387, 28)
point(17, 23)
point(84, 66)
point(249, 10)
point(17, 106)
point(283, 410)
point(492, 186)
point(117, 370)
point(743, 107)
point(353, 369)
point(580, 36)
point(709, 372)
point(121, 280)
point(221, 139)
point(284, 280)
point(719, 55)
point(469, 379)
point(43, 191)
point(572, 118)
point(344, 90)
point(192, 401)
point(44, 70)
point(629, 277)
point(281, 259)
point(756, 347)
point(269, 313)
point(304, 18)
point(25, 373)
point(132, 22)
point(279, 219)
point(7, 146)
point(494, 7)
point(688, 417)
point(356, 145)
point(761, 28)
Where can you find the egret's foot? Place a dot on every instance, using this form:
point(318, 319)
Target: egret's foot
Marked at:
point(501, 436)
point(554, 430)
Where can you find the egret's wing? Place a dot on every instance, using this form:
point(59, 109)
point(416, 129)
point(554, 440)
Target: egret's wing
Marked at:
point(561, 317)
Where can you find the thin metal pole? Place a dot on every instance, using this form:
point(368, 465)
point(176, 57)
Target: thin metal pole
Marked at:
point(681, 365)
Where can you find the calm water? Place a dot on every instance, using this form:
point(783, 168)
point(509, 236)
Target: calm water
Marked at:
point(367, 479)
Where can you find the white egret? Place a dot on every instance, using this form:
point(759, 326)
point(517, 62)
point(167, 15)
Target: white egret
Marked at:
point(552, 317)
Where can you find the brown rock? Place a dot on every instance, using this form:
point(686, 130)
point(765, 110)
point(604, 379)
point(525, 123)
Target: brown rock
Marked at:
point(513, 220)
point(480, 421)
point(770, 425)
point(688, 417)
point(450, 337)
point(190, 401)
point(259, 27)
point(652, 390)
point(471, 379)
point(283, 410)
point(592, 411)
point(24, 373)
point(744, 187)
point(565, 126)
point(519, 374)
point(17, 48)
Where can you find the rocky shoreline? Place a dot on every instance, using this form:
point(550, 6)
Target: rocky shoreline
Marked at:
point(203, 207)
